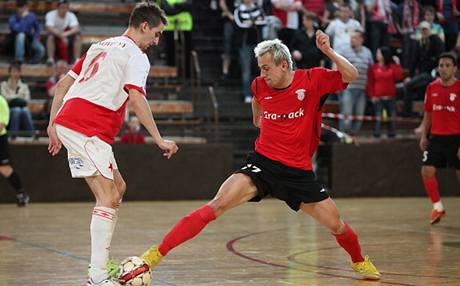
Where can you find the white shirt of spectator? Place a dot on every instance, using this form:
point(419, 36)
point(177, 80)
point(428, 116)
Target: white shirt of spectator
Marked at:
point(340, 32)
point(52, 19)
point(121, 64)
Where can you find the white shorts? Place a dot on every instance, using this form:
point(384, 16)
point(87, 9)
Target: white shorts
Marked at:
point(88, 156)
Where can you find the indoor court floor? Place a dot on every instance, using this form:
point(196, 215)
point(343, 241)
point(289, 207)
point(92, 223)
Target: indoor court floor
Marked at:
point(256, 244)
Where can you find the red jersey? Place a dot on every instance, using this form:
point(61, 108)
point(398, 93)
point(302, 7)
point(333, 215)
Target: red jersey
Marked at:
point(444, 104)
point(381, 80)
point(290, 125)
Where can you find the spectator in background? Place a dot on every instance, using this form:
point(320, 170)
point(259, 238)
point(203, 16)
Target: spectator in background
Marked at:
point(341, 28)
point(409, 12)
point(227, 7)
point(381, 88)
point(448, 15)
point(288, 13)
point(353, 99)
point(429, 14)
point(63, 34)
point(60, 70)
point(179, 19)
point(25, 34)
point(5, 167)
point(18, 95)
point(249, 19)
point(304, 51)
point(379, 12)
point(440, 140)
point(133, 133)
point(423, 64)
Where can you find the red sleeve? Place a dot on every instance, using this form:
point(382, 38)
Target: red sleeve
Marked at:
point(398, 73)
point(326, 80)
point(76, 69)
point(254, 90)
point(427, 106)
point(370, 82)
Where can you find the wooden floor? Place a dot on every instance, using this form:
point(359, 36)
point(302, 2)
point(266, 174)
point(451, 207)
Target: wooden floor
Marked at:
point(256, 244)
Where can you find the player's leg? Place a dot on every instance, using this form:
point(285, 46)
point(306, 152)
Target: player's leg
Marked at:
point(431, 185)
point(102, 225)
point(236, 190)
point(326, 213)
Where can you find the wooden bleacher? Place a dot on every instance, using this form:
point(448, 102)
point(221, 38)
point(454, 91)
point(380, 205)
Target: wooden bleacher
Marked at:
point(46, 71)
point(78, 7)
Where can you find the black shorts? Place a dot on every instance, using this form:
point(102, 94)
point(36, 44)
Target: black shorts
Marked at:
point(288, 184)
point(442, 151)
point(4, 155)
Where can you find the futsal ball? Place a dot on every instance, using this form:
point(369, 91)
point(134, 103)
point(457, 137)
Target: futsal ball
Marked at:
point(133, 271)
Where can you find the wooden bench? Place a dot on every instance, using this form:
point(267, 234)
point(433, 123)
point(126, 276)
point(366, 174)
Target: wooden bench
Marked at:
point(46, 71)
point(78, 7)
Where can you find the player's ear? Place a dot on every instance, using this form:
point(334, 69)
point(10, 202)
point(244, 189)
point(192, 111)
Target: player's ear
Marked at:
point(144, 26)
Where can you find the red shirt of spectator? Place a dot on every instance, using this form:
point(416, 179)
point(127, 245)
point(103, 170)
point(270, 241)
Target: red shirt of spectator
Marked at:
point(381, 80)
point(444, 104)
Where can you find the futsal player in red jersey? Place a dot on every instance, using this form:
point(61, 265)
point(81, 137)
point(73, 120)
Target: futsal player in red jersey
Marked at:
point(286, 106)
point(440, 141)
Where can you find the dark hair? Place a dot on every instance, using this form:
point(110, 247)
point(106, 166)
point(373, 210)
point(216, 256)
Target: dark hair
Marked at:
point(147, 12)
point(62, 2)
point(21, 3)
point(360, 32)
point(450, 56)
point(14, 65)
point(429, 9)
point(387, 55)
point(309, 15)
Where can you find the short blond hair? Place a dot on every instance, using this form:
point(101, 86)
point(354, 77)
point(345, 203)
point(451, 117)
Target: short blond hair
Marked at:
point(279, 51)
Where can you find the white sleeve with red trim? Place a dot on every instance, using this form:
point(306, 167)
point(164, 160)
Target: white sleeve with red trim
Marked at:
point(74, 72)
point(136, 73)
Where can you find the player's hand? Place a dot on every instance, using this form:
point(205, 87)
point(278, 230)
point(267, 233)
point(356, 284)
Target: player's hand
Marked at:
point(424, 143)
point(55, 144)
point(322, 41)
point(168, 146)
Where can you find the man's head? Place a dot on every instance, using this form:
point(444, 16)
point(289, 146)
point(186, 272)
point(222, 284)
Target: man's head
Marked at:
point(21, 6)
point(274, 61)
point(61, 68)
point(15, 70)
point(149, 20)
point(357, 39)
point(309, 19)
point(447, 66)
point(344, 12)
point(429, 13)
point(425, 27)
point(63, 8)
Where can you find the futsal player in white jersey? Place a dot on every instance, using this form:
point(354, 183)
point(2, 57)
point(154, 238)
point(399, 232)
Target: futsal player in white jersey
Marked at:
point(87, 112)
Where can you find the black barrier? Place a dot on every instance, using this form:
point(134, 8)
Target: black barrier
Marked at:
point(386, 169)
point(195, 172)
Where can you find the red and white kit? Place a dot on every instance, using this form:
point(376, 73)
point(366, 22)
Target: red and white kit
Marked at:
point(94, 107)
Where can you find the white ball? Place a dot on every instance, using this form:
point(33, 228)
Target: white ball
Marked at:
point(133, 271)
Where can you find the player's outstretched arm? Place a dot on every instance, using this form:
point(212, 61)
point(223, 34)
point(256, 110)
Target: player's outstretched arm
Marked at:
point(348, 71)
point(142, 110)
point(62, 87)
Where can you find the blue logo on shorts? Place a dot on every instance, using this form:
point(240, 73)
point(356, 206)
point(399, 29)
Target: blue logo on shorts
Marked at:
point(76, 163)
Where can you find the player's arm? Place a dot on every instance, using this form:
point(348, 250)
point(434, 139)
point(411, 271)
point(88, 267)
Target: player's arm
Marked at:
point(256, 112)
point(348, 71)
point(426, 126)
point(142, 110)
point(62, 87)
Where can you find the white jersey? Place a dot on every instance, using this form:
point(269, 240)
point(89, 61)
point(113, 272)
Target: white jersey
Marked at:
point(95, 103)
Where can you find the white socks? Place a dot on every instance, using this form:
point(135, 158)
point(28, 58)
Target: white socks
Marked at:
point(102, 226)
point(438, 206)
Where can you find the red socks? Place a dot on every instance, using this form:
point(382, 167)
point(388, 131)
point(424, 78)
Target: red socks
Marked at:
point(432, 189)
point(349, 241)
point(187, 228)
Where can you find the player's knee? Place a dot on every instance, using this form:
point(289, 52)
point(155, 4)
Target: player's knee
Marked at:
point(428, 172)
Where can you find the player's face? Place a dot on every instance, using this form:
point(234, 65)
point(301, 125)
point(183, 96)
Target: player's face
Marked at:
point(446, 69)
point(151, 35)
point(273, 74)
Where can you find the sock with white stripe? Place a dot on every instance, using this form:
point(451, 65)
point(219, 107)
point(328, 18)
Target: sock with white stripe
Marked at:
point(102, 226)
